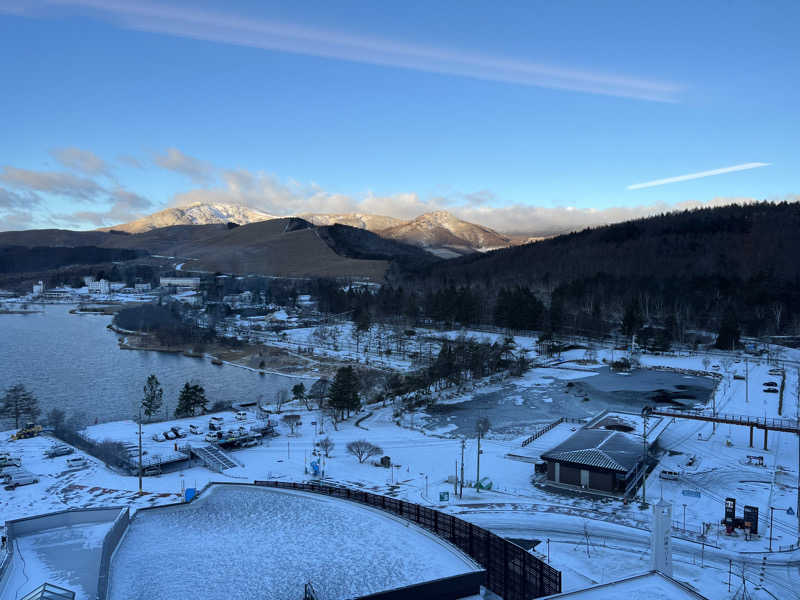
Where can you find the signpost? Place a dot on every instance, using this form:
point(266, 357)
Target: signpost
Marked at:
point(444, 496)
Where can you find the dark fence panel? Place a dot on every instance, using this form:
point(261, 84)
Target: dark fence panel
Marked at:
point(511, 572)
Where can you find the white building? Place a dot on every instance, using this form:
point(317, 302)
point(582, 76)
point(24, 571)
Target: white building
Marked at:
point(99, 287)
point(181, 282)
point(142, 287)
point(38, 289)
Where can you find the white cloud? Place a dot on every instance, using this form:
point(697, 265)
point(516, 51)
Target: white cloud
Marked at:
point(700, 175)
point(64, 184)
point(81, 160)
point(195, 169)
point(228, 28)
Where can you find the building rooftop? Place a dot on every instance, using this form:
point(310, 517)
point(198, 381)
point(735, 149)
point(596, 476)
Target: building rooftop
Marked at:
point(599, 448)
point(653, 585)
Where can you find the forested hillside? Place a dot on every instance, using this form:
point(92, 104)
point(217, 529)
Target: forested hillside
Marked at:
point(673, 272)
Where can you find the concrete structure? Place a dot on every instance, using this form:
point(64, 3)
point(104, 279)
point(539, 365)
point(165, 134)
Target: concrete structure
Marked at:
point(661, 538)
point(180, 282)
point(38, 289)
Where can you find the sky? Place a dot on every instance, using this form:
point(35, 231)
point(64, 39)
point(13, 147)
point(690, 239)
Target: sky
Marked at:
point(516, 115)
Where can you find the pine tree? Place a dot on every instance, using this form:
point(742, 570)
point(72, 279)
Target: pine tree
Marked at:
point(728, 337)
point(153, 396)
point(192, 397)
point(343, 393)
point(18, 402)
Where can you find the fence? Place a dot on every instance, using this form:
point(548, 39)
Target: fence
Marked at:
point(110, 543)
point(511, 572)
point(540, 432)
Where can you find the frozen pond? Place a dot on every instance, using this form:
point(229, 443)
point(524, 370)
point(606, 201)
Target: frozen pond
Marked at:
point(245, 542)
point(544, 395)
point(74, 363)
point(65, 556)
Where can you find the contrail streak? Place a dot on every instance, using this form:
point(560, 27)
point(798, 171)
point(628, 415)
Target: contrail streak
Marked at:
point(227, 28)
point(701, 174)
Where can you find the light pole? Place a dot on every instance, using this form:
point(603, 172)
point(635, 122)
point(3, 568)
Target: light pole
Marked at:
point(684, 517)
point(140, 448)
point(645, 413)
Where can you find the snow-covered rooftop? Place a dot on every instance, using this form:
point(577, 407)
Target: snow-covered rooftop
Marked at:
point(239, 541)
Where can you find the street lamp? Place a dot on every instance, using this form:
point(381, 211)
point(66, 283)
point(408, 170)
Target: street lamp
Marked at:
point(645, 414)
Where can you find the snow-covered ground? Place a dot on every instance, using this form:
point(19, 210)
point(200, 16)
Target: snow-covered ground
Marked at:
point(245, 542)
point(618, 534)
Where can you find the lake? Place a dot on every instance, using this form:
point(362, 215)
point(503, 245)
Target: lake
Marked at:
point(74, 362)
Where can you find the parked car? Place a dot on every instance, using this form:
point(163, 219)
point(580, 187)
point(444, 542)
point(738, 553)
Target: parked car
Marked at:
point(213, 436)
point(169, 434)
point(158, 437)
point(241, 415)
point(6, 460)
point(195, 429)
point(770, 384)
point(77, 462)
point(58, 450)
point(215, 423)
point(18, 477)
point(771, 390)
point(179, 432)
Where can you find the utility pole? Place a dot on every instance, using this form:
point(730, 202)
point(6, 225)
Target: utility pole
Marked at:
point(461, 492)
point(478, 476)
point(140, 448)
point(645, 413)
point(746, 381)
point(771, 510)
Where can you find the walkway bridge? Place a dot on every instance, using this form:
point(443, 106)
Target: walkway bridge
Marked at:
point(765, 423)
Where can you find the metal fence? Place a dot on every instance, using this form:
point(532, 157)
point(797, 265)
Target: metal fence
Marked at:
point(511, 572)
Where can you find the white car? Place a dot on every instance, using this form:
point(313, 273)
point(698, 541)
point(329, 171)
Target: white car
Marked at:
point(17, 477)
point(241, 415)
point(194, 429)
point(158, 437)
point(77, 462)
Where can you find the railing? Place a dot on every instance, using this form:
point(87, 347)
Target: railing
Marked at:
point(787, 425)
point(542, 431)
point(48, 591)
point(511, 572)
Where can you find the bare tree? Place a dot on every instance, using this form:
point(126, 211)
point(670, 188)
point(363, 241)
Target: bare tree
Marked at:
point(291, 420)
point(281, 398)
point(362, 450)
point(326, 444)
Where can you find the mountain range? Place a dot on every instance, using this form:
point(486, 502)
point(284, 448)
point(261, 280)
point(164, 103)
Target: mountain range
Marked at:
point(439, 232)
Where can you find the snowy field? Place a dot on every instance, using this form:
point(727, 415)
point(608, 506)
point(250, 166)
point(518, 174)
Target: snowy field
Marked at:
point(710, 461)
point(244, 542)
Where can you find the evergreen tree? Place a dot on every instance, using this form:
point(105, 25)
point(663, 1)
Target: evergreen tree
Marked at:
point(632, 319)
point(153, 396)
point(728, 337)
point(18, 402)
point(343, 393)
point(192, 397)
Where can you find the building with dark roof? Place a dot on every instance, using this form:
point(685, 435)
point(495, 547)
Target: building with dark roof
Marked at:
point(595, 459)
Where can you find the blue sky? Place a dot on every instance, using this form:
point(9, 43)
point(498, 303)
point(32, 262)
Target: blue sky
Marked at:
point(512, 115)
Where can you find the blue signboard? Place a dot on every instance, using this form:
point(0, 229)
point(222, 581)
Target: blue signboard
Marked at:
point(189, 494)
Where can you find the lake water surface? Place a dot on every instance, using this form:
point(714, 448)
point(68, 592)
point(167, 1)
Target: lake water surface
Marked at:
point(73, 362)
